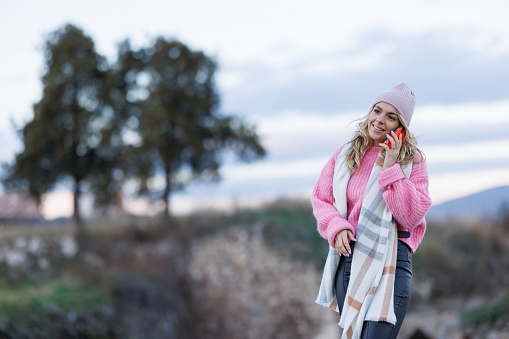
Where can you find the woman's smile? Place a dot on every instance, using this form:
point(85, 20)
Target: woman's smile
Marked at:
point(382, 120)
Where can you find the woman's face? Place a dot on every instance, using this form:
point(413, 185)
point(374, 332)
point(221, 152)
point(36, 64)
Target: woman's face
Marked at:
point(381, 121)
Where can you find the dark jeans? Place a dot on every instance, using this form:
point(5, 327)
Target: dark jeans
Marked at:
point(402, 293)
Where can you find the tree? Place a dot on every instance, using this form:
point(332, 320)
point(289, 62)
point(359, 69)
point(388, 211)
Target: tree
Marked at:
point(64, 140)
point(182, 135)
point(155, 113)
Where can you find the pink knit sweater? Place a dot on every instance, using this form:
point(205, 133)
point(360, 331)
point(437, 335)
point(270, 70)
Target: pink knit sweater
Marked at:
point(407, 199)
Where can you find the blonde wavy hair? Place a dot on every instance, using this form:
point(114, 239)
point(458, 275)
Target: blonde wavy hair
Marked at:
point(361, 142)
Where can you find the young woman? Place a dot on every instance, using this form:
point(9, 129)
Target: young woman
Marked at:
point(369, 202)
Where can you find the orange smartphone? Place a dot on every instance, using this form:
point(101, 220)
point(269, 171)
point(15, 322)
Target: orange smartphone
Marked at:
point(399, 131)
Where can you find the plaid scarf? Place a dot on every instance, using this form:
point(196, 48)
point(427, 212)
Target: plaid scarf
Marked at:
point(370, 293)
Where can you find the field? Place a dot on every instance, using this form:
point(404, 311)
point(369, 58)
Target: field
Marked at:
point(247, 274)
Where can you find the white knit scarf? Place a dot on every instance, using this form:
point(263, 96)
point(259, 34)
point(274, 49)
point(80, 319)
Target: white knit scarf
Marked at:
point(370, 293)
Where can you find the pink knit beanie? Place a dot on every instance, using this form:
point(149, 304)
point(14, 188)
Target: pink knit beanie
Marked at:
point(402, 98)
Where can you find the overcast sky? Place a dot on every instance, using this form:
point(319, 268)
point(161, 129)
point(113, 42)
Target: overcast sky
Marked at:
point(303, 71)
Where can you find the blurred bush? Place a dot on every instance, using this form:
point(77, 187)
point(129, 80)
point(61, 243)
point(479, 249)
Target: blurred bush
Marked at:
point(463, 260)
point(489, 313)
point(248, 274)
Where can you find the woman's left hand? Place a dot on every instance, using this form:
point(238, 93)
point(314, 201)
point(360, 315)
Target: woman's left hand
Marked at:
point(391, 154)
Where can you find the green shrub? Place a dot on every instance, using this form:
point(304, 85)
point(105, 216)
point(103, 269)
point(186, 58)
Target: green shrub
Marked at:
point(288, 225)
point(487, 313)
point(65, 296)
point(463, 259)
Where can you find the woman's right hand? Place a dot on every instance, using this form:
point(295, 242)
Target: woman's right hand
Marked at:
point(342, 242)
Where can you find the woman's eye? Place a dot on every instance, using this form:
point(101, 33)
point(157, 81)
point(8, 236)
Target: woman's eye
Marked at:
point(392, 118)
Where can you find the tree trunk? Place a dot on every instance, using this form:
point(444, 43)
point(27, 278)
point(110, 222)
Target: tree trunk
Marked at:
point(81, 234)
point(166, 197)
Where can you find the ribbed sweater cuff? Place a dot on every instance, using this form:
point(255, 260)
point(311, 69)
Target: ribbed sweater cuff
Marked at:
point(335, 228)
point(389, 176)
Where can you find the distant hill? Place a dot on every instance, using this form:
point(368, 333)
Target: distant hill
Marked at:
point(485, 204)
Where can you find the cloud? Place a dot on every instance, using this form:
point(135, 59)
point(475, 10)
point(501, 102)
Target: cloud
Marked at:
point(442, 154)
point(347, 78)
point(303, 70)
point(469, 152)
point(10, 144)
point(456, 139)
point(442, 187)
point(299, 134)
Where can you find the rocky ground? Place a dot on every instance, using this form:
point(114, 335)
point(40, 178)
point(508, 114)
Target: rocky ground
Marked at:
point(441, 321)
point(228, 284)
